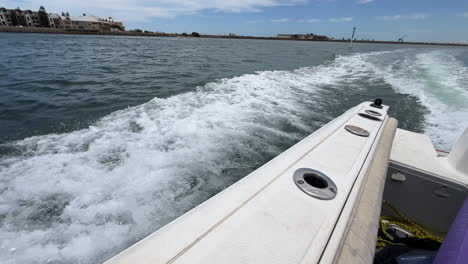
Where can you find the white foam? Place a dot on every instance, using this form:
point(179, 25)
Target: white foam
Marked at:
point(439, 81)
point(84, 196)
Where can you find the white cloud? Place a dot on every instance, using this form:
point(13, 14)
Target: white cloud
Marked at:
point(310, 20)
point(363, 2)
point(143, 10)
point(341, 19)
point(465, 14)
point(416, 16)
point(280, 20)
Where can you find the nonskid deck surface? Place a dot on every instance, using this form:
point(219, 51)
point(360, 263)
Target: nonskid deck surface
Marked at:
point(265, 217)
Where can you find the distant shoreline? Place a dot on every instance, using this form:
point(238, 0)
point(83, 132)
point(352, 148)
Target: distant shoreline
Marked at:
point(158, 34)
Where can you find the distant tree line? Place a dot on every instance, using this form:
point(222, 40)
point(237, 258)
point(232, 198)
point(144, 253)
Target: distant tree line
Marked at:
point(194, 34)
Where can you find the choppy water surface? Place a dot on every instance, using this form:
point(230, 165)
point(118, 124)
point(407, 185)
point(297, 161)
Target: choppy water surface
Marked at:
point(104, 140)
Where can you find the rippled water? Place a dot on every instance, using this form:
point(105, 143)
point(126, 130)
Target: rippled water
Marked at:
point(105, 139)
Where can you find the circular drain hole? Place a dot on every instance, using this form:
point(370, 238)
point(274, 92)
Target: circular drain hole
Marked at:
point(315, 184)
point(372, 112)
point(357, 130)
point(370, 117)
point(315, 180)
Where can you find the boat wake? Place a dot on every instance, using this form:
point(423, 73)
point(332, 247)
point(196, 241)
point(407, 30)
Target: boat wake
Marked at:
point(439, 79)
point(85, 195)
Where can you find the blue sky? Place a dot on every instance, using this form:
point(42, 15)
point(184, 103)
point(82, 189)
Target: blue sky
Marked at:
point(428, 20)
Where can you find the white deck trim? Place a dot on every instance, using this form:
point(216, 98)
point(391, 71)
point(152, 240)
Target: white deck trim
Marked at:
point(417, 152)
point(266, 208)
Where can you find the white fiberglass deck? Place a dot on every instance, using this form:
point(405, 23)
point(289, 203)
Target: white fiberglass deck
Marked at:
point(417, 151)
point(265, 217)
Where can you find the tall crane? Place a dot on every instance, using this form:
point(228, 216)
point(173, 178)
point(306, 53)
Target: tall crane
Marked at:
point(402, 39)
point(352, 37)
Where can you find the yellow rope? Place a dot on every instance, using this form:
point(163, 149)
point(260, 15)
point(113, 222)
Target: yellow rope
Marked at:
point(403, 222)
point(381, 243)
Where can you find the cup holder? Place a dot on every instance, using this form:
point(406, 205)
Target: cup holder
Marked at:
point(315, 184)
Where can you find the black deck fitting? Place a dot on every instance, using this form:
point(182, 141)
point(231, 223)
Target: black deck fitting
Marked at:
point(377, 103)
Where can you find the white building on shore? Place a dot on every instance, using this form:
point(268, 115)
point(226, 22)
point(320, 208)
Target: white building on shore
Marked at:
point(91, 23)
point(84, 23)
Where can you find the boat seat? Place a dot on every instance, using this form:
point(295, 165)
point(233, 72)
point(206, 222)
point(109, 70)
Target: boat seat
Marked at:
point(454, 248)
point(358, 243)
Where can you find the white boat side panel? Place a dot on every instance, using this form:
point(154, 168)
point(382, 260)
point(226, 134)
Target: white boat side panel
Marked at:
point(161, 247)
point(458, 157)
point(335, 241)
point(280, 223)
point(265, 218)
point(417, 151)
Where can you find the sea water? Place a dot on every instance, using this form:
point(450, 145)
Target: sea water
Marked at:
point(103, 140)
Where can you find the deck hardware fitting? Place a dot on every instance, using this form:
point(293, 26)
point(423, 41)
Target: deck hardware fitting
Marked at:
point(315, 183)
point(371, 117)
point(372, 112)
point(357, 130)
